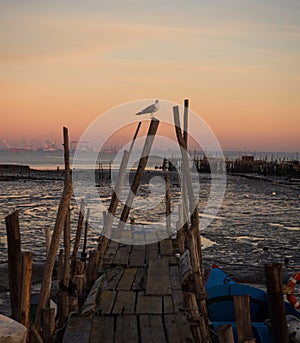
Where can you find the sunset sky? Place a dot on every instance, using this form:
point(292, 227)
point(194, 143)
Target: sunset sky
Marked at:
point(238, 62)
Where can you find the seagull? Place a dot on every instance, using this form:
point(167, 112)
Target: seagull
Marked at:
point(150, 109)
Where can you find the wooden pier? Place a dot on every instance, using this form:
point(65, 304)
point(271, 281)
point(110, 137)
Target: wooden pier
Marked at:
point(138, 298)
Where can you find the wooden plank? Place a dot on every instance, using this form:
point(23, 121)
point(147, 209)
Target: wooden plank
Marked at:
point(125, 303)
point(166, 247)
point(175, 278)
point(177, 300)
point(122, 255)
point(127, 279)
point(148, 304)
point(158, 278)
point(152, 252)
point(112, 278)
point(140, 281)
point(152, 330)
point(102, 330)
point(168, 304)
point(127, 329)
point(78, 329)
point(110, 254)
point(105, 302)
point(137, 256)
point(178, 329)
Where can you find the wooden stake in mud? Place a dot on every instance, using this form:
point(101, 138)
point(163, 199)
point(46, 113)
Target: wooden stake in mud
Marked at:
point(276, 303)
point(168, 205)
point(25, 289)
point(193, 233)
point(225, 333)
point(118, 187)
point(59, 224)
point(243, 319)
point(14, 260)
point(138, 175)
point(77, 238)
point(109, 218)
point(86, 228)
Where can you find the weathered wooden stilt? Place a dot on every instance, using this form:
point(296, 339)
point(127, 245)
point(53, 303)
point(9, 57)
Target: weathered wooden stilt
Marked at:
point(168, 204)
point(77, 238)
point(225, 333)
point(138, 175)
point(59, 224)
point(14, 260)
point(86, 228)
point(25, 289)
point(243, 319)
point(276, 303)
point(48, 319)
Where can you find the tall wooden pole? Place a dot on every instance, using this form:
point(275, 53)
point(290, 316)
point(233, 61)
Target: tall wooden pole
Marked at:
point(168, 204)
point(77, 238)
point(25, 289)
point(276, 303)
point(14, 260)
point(194, 239)
point(243, 319)
point(138, 175)
point(119, 184)
point(59, 224)
point(86, 228)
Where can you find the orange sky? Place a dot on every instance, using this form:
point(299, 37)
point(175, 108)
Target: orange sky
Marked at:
point(238, 65)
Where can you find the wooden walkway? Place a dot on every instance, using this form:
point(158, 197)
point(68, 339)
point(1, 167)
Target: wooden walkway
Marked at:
point(137, 299)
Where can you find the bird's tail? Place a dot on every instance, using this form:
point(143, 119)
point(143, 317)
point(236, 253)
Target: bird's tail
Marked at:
point(139, 113)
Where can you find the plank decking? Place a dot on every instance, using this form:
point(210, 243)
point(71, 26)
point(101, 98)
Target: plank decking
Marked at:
point(137, 299)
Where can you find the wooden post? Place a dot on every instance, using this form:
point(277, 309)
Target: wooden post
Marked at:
point(168, 205)
point(225, 333)
point(48, 319)
point(118, 186)
point(243, 319)
point(190, 302)
point(138, 175)
point(77, 238)
point(14, 260)
point(60, 275)
point(25, 289)
point(185, 122)
point(66, 272)
point(79, 276)
point(73, 304)
point(48, 239)
point(59, 224)
point(276, 303)
point(86, 228)
point(92, 268)
point(180, 231)
point(194, 238)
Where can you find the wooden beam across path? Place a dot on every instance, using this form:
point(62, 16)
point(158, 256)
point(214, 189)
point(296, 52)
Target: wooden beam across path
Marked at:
point(138, 303)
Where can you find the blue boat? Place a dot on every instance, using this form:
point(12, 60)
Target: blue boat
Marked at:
point(221, 289)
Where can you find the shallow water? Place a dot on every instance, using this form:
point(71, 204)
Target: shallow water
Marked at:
point(257, 222)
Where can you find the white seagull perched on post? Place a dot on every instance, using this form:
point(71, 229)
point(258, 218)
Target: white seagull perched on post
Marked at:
point(149, 109)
